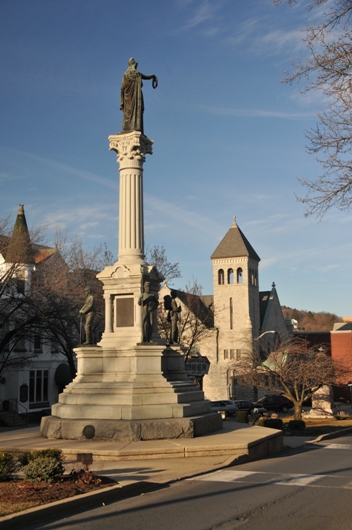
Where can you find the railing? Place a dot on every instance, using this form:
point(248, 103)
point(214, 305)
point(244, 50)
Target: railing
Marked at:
point(14, 406)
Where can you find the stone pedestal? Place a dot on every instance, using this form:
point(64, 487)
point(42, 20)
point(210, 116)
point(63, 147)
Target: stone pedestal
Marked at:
point(126, 390)
point(323, 403)
point(140, 393)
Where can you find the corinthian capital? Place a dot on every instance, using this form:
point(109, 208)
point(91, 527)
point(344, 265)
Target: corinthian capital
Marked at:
point(131, 147)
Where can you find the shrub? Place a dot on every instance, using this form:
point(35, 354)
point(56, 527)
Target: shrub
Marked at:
point(43, 468)
point(296, 425)
point(242, 416)
point(7, 466)
point(47, 453)
point(270, 422)
point(25, 458)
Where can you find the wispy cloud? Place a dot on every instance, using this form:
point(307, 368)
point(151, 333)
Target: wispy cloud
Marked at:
point(187, 221)
point(200, 13)
point(55, 165)
point(255, 113)
point(81, 216)
point(299, 259)
point(261, 36)
point(275, 41)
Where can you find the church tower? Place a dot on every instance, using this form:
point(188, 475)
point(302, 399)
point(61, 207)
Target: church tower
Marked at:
point(236, 302)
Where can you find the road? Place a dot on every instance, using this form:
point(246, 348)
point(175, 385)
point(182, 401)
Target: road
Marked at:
point(305, 489)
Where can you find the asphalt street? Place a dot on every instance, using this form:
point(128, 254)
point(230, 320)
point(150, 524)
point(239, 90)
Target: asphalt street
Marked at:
point(307, 489)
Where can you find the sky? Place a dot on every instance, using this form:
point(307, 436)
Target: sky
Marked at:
point(229, 136)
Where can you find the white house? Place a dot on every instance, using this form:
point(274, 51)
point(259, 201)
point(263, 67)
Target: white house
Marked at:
point(33, 371)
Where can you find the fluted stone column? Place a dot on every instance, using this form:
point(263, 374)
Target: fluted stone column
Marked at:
point(131, 149)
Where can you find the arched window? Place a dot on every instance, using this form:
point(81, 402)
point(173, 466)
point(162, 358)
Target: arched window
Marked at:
point(239, 275)
point(221, 278)
point(230, 276)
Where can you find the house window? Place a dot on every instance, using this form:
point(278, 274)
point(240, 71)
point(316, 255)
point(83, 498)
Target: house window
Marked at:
point(20, 343)
point(230, 276)
point(231, 314)
point(239, 275)
point(54, 346)
point(21, 284)
point(238, 355)
point(38, 387)
point(37, 341)
point(232, 354)
point(23, 393)
point(221, 278)
point(226, 354)
point(3, 332)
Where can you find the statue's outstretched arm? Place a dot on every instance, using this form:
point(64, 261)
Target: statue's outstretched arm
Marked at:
point(153, 77)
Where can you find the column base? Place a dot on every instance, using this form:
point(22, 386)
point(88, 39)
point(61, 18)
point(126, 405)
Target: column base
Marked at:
point(130, 431)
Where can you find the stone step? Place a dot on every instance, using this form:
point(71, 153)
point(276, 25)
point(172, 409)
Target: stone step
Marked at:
point(129, 412)
point(130, 399)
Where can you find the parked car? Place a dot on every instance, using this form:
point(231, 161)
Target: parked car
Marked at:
point(275, 402)
point(225, 407)
point(249, 406)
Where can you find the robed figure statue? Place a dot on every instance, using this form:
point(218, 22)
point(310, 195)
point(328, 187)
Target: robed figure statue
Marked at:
point(88, 311)
point(131, 101)
point(149, 303)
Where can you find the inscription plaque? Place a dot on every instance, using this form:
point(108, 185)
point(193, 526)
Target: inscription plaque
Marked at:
point(124, 312)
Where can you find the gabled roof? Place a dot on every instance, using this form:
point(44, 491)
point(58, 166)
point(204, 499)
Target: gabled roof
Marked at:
point(196, 305)
point(268, 304)
point(264, 297)
point(235, 244)
point(43, 253)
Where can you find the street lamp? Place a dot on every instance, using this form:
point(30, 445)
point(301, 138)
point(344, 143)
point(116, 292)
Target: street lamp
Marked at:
point(265, 332)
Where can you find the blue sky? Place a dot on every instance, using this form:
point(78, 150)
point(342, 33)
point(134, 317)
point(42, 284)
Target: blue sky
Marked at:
point(228, 136)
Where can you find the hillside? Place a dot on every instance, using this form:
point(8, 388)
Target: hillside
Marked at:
point(311, 321)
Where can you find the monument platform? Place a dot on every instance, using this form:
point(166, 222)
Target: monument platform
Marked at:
point(140, 393)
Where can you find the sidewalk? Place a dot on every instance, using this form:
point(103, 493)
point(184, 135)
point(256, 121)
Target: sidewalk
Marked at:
point(138, 467)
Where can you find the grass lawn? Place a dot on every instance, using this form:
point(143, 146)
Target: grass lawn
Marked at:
point(316, 426)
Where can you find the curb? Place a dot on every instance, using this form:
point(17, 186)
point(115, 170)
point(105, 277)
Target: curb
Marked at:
point(100, 498)
point(331, 435)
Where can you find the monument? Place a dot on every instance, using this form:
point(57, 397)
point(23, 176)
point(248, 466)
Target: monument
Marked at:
point(130, 386)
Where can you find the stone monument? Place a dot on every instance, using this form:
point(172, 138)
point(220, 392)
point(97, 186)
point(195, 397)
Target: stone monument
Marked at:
point(323, 405)
point(130, 386)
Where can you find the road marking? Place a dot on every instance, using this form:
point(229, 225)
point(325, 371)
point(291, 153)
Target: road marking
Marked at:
point(337, 446)
point(299, 480)
point(279, 479)
point(225, 475)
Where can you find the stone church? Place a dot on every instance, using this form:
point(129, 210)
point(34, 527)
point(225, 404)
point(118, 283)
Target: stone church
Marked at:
point(241, 315)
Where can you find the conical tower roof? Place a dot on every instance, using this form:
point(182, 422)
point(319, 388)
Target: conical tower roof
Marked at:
point(234, 244)
point(20, 248)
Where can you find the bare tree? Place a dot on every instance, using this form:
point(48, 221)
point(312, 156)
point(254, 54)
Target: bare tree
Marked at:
point(48, 302)
point(196, 318)
point(157, 256)
point(328, 69)
point(19, 320)
point(294, 370)
point(63, 280)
